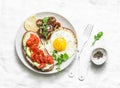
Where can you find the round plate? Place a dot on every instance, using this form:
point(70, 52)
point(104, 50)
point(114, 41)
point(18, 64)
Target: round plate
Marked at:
point(18, 41)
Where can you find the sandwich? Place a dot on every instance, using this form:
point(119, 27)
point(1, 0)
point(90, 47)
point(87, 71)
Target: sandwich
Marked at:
point(35, 53)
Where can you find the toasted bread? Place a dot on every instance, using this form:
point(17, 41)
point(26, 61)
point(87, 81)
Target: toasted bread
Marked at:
point(30, 24)
point(27, 53)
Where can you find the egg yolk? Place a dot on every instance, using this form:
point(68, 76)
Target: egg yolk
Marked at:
point(59, 44)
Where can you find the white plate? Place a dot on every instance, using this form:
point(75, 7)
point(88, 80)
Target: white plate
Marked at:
point(18, 41)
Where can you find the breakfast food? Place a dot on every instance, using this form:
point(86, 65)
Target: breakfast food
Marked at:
point(63, 40)
point(61, 45)
point(46, 44)
point(35, 53)
point(30, 24)
point(46, 26)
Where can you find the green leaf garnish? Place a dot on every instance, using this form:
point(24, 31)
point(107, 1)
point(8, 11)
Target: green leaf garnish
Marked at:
point(59, 58)
point(58, 68)
point(54, 51)
point(65, 57)
point(45, 19)
point(97, 37)
point(45, 26)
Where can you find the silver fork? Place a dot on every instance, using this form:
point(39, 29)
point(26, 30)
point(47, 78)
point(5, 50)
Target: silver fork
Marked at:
point(85, 38)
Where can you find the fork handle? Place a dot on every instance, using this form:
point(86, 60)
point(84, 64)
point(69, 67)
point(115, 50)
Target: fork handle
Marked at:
point(71, 74)
point(83, 72)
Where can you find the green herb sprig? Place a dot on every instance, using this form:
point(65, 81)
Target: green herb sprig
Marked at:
point(45, 27)
point(97, 37)
point(59, 58)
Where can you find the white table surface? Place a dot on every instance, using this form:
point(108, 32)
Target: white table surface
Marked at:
point(103, 14)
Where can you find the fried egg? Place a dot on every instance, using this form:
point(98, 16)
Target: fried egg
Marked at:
point(63, 40)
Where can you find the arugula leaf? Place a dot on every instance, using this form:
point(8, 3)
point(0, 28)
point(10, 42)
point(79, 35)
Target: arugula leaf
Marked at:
point(59, 61)
point(45, 33)
point(54, 51)
point(59, 58)
point(97, 37)
point(45, 20)
point(65, 57)
point(58, 68)
point(100, 34)
point(45, 27)
point(54, 54)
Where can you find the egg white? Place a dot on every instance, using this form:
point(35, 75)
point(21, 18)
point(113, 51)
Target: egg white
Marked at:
point(70, 38)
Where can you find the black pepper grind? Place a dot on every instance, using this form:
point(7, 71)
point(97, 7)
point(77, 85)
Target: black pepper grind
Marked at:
point(98, 55)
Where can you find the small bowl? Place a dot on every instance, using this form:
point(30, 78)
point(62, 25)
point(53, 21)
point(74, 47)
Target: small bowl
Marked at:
point(99, 56)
